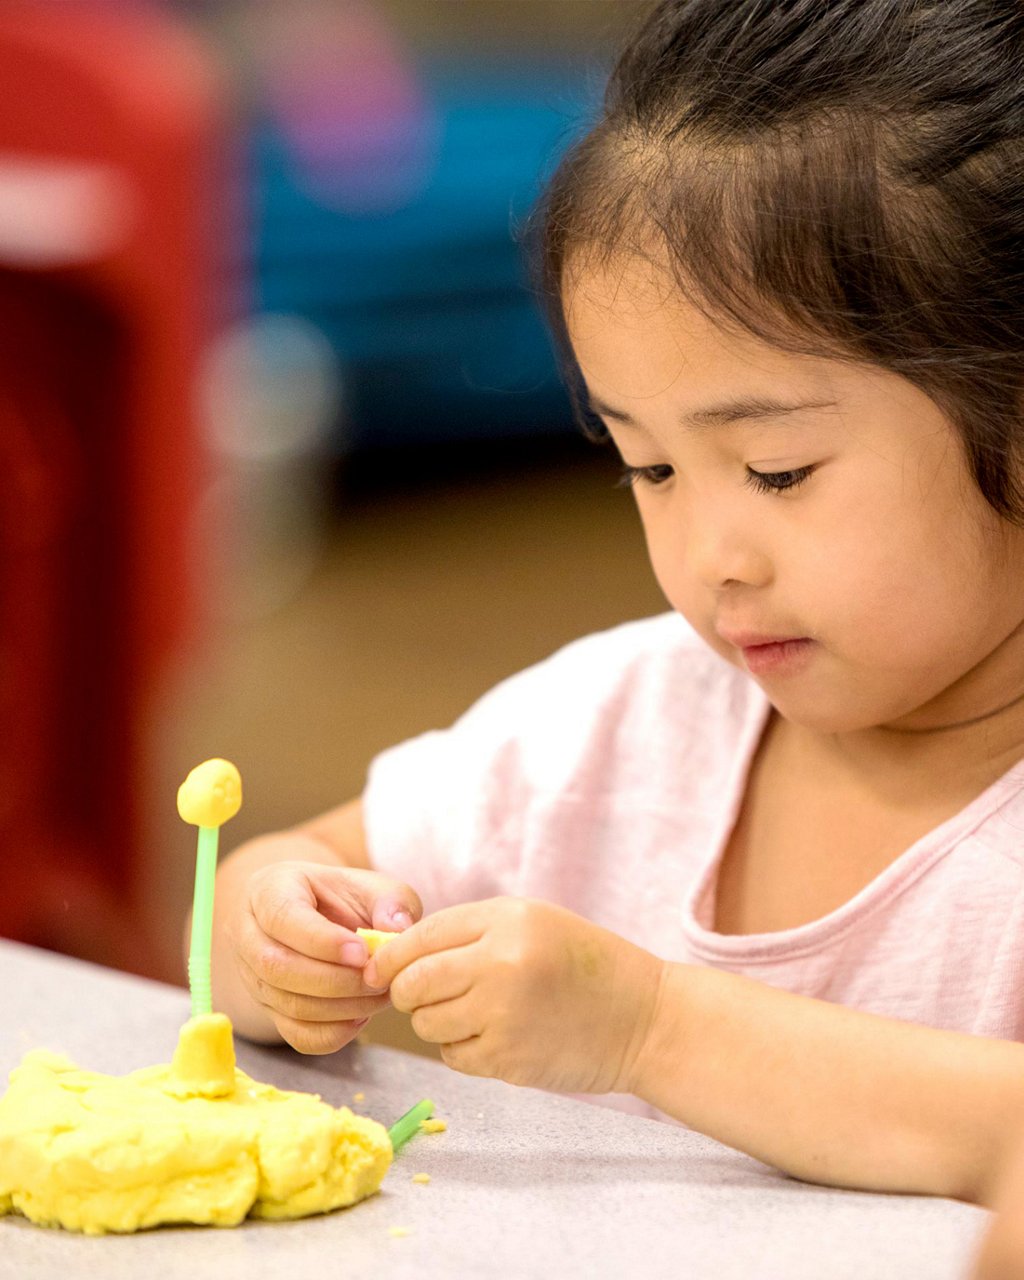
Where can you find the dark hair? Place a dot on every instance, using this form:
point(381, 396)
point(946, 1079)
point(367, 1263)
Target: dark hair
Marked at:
point(836, 177)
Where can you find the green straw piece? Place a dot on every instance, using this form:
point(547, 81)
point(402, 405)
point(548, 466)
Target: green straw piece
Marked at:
point(409, 1124)
point(202, 922)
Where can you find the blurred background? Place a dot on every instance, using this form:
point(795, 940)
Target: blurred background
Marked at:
point(287, 471)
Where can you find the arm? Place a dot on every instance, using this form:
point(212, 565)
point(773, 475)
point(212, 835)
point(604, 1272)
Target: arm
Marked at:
point(1001, 1256)
point(830, 1094)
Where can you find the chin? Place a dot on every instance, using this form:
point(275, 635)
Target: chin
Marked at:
point(825, 715)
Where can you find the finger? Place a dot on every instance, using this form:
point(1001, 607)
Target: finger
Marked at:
point(476, 1056)
point(444, 975)
point(394, 913)
point(365, 897)
point(285, 909)
point(452, 927)
point(279, 966)
point(317, 1037)
point(447, 1023)
point(463, 1055)
point(310, 1009)
point(307, 1008)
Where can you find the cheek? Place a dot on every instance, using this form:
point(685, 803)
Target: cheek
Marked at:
point(665, 533)
point(665, 552)
point(668, 570)
point(687, 598)
point(883, 592)
point(894, 599)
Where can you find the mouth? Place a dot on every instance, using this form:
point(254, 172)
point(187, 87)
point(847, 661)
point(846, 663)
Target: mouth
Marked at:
point(752, 639)
point(771, 655)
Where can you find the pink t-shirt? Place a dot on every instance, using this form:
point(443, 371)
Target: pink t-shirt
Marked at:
point(607, 779)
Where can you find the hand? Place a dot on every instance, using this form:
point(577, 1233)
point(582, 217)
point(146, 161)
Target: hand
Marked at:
point(293, 939)
point(524, 991)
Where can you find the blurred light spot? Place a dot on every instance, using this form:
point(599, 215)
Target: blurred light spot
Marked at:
point(273, 389)
point(261, 539)
point(273, 400)
point(56, 214)
point(362, 133)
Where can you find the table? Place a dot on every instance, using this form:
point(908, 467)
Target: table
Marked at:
point(523, 1184)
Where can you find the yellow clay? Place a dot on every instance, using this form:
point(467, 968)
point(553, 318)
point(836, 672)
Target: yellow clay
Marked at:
point(433, 1126)
point(98, 1153)
point(375, 938)
point(211, 794)
point(204, 1062)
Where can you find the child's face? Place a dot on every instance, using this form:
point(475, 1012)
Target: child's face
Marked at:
point(885, 558)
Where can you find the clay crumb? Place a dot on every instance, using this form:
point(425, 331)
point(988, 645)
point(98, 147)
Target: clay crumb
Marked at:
point(433, 1126)
point(421, 1177)
point(359, 1097)
point(398, 1231)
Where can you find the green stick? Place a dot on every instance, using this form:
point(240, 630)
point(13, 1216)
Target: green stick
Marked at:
point(201, 943)
point(404, 1128)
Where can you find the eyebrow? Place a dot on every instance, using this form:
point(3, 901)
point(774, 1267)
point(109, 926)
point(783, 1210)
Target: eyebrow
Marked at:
point(743, 409)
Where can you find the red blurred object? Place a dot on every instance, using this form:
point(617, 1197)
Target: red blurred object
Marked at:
point(109, 187)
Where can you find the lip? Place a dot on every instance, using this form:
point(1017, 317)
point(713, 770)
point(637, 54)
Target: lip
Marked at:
point(753, 639)
point(766, 655)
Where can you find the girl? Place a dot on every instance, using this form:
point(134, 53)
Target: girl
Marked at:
point(756, 864)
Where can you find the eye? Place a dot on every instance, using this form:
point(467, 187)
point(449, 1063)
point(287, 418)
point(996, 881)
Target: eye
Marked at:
point(644, 475)
point(776, 481)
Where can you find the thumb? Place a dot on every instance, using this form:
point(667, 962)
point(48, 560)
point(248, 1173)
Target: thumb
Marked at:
point(353, 896)
point(396, 909)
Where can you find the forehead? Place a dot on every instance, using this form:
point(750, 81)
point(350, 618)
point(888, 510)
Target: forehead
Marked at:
point(645, 349)
point(633, 331)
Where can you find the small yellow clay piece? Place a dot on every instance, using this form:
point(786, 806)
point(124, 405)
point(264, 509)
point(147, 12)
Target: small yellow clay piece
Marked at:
point(203, 1065)
point(375, 938)
point(433, 1126)
point(398, 1231)
point(359, 1097)
point(421, 1177)
point(211, 794)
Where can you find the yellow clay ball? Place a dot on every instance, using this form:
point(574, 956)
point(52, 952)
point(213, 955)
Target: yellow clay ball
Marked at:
point(211, 794)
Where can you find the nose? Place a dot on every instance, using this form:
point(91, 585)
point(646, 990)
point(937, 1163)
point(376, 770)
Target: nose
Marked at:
point(724, 549)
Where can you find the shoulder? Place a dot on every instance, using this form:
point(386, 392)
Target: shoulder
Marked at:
point(591, 666)
point(647, 686)
point(649, 655)
point(638, 720)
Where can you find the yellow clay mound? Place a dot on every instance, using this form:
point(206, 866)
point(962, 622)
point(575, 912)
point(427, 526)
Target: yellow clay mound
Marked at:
point(98, 1153)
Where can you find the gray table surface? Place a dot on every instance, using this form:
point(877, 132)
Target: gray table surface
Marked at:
point(522, 1184)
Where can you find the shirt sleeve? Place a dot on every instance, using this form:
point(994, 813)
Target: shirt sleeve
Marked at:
point(446, 811)
point(441, 809)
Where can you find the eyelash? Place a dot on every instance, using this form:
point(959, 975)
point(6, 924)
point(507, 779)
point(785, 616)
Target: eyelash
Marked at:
point(761, 481)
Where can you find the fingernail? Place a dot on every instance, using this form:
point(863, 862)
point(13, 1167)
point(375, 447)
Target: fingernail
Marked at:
point(370, 976)
point(399, 916)
point(354, 954)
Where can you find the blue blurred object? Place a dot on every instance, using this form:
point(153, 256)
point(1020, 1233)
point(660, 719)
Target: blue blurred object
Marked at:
point(428, 305)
